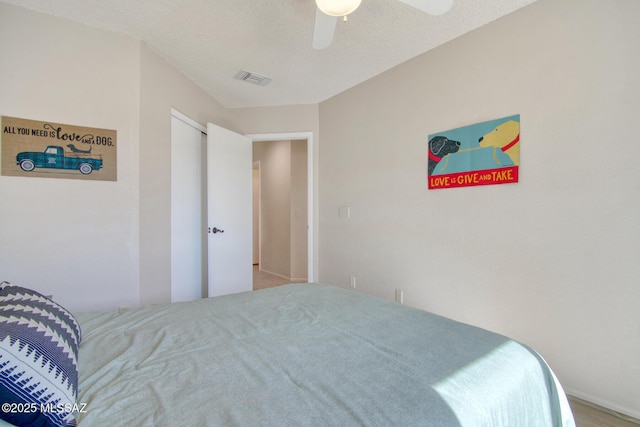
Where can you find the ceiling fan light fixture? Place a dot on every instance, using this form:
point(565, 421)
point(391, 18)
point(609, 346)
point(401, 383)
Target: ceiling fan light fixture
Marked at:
point(338, 7)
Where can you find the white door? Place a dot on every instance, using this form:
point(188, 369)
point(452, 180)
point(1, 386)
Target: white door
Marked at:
point(230, 228)
point(188, 210)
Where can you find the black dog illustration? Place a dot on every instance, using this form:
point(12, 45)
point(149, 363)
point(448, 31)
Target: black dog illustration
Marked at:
point(440, 146)
point(74, 149)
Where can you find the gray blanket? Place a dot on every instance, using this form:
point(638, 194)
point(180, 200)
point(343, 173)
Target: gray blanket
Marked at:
point(307, 355)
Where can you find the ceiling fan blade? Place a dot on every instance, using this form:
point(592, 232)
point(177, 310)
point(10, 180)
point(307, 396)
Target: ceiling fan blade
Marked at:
point(432, 7)
point(323, 30)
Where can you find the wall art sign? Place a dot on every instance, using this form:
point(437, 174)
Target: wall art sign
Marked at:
point(54, 150)
point(481, 154)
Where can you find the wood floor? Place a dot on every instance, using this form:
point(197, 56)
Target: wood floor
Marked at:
point(263, 280)
point(588, 415)
point(585, 414)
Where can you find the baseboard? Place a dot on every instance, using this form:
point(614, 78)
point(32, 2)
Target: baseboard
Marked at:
point(291, 279)
point(604, 406)
point(276, 274)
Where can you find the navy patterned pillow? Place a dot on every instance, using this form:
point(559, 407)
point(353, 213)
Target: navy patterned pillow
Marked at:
point(39, 342)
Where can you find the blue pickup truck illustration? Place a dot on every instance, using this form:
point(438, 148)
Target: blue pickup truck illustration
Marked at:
point(54, 157)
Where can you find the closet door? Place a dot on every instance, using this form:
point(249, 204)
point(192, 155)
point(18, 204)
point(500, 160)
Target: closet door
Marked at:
point(188, 210)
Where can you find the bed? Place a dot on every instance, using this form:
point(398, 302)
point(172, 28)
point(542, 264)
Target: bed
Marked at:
point(306, 355)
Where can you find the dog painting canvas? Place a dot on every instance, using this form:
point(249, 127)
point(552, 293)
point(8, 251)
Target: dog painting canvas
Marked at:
point(481, 154)
point(33, 148)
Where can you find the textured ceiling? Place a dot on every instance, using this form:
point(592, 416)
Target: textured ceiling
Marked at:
point(210, 40)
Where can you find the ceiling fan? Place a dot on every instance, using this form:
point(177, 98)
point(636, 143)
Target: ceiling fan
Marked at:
point(329, 11)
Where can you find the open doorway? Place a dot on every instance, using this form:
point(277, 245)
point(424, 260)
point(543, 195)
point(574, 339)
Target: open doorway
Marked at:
point(283, 208)
point(280, 212)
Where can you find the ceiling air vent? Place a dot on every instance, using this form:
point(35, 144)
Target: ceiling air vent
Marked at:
point(253, 78)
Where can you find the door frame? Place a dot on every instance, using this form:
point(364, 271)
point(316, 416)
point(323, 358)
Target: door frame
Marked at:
point(311, 195)
point(308, 136)
point(256, 212)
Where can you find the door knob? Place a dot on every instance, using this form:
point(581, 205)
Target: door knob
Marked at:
point(215, 230)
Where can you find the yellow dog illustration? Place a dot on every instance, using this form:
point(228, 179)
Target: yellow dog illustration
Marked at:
point(505, 136)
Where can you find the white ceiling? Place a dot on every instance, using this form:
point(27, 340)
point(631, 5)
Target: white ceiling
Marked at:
point(211, 40)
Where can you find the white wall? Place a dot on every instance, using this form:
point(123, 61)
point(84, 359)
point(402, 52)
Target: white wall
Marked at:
point(93, 245)
point(552, 260)
point(76, 240)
